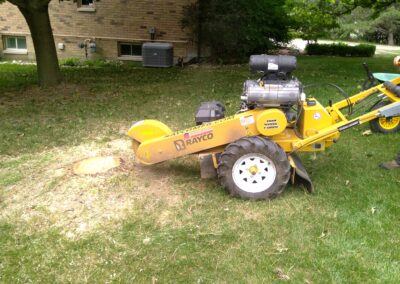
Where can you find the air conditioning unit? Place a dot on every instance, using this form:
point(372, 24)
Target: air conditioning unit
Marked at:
point(157, 54)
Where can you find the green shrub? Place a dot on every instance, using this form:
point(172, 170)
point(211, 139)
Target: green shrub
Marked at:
point(103, 63)
point(72, 62)
point(366, 50)
point(341, 49)
point(76, 62)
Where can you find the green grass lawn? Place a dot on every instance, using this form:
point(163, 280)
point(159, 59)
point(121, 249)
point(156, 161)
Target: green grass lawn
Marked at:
point(163, 224)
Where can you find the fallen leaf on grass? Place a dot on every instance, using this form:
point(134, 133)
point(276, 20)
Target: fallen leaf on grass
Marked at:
point(281, 249)
point(82, 227)
point(367, 133)
point(281, 275)
point(146, 241)
point(323, 234)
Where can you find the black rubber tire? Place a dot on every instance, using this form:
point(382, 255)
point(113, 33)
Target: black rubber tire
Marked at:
point(256, 145)
point(376, 126)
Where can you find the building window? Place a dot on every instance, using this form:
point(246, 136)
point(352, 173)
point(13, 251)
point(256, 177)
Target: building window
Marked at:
point(87, 2)
point(15, 45)
point(130, 50)
point(86, 5)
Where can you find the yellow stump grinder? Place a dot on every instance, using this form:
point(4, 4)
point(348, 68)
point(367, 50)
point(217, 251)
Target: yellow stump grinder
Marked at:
point(253, 152)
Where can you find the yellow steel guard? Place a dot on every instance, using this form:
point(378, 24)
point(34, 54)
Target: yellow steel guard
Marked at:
point(193, 140)
point(148, 129)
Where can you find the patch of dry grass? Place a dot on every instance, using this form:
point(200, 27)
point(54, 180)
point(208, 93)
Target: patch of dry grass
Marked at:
point(50, 195)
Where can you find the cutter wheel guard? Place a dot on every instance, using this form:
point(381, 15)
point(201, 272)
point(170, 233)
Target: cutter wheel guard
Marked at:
point(254, 152)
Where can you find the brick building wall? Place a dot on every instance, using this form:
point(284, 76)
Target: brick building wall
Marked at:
point(107, 23)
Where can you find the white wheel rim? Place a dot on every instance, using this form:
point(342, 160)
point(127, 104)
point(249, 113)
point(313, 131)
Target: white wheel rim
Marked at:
point(254, 173)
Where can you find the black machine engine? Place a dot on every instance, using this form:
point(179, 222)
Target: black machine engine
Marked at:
point(277, 87)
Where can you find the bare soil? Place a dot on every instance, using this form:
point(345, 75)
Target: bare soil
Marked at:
point(50, 195)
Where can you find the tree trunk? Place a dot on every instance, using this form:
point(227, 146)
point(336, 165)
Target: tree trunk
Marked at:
point(200, 29)
point(42, 35)
point(390, 38)
point(199, 39)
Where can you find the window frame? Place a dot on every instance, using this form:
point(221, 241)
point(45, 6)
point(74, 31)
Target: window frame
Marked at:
point(86, 8)
point(129, 57)
point(16, 50)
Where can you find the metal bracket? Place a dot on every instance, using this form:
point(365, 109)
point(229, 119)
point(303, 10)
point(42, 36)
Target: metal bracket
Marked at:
point(390, 110)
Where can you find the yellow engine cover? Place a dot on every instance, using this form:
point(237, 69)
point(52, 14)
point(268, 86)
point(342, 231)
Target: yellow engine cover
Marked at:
point(313, 119)
point(271, 122)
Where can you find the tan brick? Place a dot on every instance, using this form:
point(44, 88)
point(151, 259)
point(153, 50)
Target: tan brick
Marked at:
point(111, 22)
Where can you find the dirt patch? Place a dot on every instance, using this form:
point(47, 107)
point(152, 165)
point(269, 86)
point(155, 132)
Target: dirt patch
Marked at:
point(96, 165)
point(51, 196)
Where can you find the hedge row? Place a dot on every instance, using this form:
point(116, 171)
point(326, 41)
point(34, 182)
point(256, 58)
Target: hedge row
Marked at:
point(341, 49)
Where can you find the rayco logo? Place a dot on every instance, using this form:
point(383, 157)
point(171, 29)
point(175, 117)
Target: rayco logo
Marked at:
point(193, 138)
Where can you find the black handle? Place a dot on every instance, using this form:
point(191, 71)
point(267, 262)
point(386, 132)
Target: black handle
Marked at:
point(392, 87)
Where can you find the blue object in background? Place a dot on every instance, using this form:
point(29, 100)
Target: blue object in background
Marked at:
point(385, 76)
